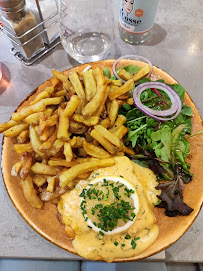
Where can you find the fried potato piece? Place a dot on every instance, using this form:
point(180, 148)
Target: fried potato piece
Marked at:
point(90, 84)
point(38, 107)
point(127, 150)
point(49, 121)
point(58, 144)
point(61, 163)
point(108, 135)
point(40, 168)
point(30, 193)
point(60, 93)
point(103, 141)
point(102, 104)
point(95, 151)
point(35, 117)
point(51, 184)
point(16, 169)
point(67, 85)
point(6, 125)
point(46, 133)
point(125, 75)
point(122, 130)
point(119, 122)
point(121, 90)
point(77, 142)
point(141, 73)
point(124, 96)
point(50, 141)
point(16, 130)
point(42, 95)
point(71, 106)
point(130, 101)
point(117, 83)
point(68, 151)
point(80, 107)
point(26, 165)
point(20, 148)
point(105, 123)
point(63, 127)
point(70, 174)
point(84, 160)
point(77, 128)
point(74, 78)
point(23, 136)
point(99, 76)
point(47, 196)
point(54, 81)
point(82, 176)
point(60, 76)
point(70, 232)
point(91, 121)
point(92, 106)
point(39, 180)
point(113, 112)
point(35, 141)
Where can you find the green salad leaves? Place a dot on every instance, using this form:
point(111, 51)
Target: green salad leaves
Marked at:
point(162, 146)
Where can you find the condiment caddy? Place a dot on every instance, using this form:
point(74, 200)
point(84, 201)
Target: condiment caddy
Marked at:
point(31, 26)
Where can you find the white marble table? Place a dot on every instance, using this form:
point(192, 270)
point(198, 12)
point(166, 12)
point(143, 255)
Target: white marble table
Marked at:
point(176, 46)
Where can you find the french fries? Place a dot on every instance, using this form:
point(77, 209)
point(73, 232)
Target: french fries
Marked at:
point(16, 130)
point(7, 125)
point(40, 168)
point(30, 193)
point(103, 141)
point(74, 78)
point(63, 127)
point(68, 151)
point(71, 106)
point(69, 129)
point(95, 151)
point(23, 136)
point(141, 73)
point(26, 165)
point(39, 180)
point(113, 112)
point(35, 142)
point(125, 75)
point(90, 84)
point(91, 121)
point(92, 106)
point(108, 135)
point(21, 148)
point(121, 90)
point(70, 174)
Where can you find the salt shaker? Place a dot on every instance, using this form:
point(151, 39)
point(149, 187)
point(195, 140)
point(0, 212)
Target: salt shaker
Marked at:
point(19, 21)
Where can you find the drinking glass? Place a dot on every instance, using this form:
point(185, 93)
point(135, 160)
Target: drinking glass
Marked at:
point(87, 28)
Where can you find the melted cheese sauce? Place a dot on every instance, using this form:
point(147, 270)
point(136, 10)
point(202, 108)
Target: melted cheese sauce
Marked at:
point(94, 246)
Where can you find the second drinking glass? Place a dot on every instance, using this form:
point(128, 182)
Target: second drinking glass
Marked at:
point(87, 28)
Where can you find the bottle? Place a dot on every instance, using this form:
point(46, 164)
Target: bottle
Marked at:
point(137, 19)
point(21, 25)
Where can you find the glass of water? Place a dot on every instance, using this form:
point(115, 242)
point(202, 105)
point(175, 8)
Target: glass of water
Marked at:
point(87, 28)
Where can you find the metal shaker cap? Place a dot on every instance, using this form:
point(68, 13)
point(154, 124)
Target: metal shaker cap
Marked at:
point(11, 5)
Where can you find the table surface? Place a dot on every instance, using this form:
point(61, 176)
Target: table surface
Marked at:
point(176, 46)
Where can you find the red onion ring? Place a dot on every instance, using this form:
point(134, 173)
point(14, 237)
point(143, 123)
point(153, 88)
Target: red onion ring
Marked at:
point(158, 115)
point(136, 57)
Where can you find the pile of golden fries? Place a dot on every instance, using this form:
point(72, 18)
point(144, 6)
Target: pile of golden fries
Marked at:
point(70, 129)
